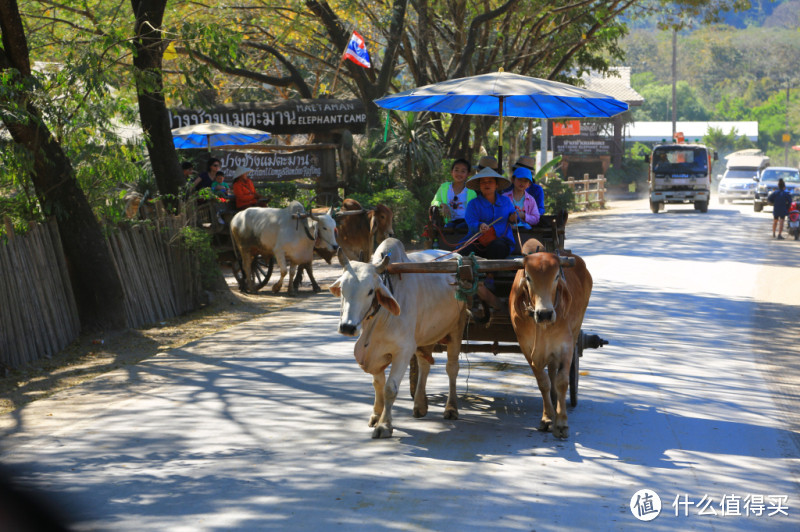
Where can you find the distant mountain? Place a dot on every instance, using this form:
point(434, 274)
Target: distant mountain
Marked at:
point(757, 15)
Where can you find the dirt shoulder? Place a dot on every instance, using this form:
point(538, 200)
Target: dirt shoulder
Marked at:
point(90, 356)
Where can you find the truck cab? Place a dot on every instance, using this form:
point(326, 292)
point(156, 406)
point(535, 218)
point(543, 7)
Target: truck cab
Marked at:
point(680, 173)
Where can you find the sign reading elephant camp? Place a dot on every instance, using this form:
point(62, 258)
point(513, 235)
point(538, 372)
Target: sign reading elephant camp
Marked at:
point(285, 118)
point(272, 167)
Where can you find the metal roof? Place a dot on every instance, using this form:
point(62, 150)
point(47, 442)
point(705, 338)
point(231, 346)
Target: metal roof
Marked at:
point(658, 131)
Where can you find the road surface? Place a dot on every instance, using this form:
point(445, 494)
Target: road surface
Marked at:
point(264, 426)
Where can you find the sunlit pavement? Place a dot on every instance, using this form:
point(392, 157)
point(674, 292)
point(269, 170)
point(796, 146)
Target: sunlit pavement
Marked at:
point(264, 426)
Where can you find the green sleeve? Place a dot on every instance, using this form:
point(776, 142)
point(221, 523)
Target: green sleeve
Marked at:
point(440, 196)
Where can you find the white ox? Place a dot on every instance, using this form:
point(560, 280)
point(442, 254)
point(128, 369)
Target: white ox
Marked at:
point(398, 316)
point(288, 234)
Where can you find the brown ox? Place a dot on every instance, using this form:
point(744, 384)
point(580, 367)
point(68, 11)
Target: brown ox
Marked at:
point(358, 231)
point(547, 304)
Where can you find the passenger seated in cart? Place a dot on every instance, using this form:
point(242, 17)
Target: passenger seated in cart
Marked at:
point(490, 214)
point(220, 187)
point(452, 198)
point(534, 189)
point(245, 191)
point(527, 209)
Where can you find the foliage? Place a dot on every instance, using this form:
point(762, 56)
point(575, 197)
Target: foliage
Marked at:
point(409, 213)
point(198, 242)
point(558, 196)
point(371, 170)
point(416, 151)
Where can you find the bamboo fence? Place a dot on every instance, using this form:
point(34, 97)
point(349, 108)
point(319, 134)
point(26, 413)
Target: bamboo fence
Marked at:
point(38, 314)
point(588, 191)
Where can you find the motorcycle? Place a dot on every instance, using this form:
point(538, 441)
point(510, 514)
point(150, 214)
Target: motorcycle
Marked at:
point(794, 221)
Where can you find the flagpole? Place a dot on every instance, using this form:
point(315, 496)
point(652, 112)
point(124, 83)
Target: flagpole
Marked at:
point(341, 60)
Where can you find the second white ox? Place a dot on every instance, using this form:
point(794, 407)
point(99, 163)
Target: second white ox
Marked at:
point(396, 317)
point(285, 234)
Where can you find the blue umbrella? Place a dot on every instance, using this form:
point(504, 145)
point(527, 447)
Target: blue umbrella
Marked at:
point(505, 94)
point(212, 135)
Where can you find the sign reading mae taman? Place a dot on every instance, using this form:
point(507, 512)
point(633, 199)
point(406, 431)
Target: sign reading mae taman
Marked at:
point(582, 145)
point(285, 118)
point(272, 167)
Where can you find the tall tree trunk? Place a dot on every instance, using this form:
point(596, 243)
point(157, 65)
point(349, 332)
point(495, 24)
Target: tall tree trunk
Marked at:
point(95, 284)
point(149, 44)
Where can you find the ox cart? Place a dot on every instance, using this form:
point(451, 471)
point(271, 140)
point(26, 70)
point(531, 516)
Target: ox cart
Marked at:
point(489, 329)
point(217, 225)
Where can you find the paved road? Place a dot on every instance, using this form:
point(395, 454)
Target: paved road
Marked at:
point(263, 426)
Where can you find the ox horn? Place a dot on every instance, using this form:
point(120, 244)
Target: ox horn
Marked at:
point(382, 266)
point(343, 260)
point(331, 212)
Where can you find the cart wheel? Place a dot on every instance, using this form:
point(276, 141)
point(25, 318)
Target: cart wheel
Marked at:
point(413, 375)
point(574, 373)
point(260, 271)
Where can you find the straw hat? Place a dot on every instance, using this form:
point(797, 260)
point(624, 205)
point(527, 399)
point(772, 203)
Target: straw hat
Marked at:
point(526, 162)
point(487, 161)
point(474, 182)
point(240, 171)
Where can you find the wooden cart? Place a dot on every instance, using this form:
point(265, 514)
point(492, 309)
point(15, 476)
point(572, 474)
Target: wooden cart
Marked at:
point(492, 331)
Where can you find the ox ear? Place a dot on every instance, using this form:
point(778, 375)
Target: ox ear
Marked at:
point(336, 287)
point(373, 221)
point(386, 300)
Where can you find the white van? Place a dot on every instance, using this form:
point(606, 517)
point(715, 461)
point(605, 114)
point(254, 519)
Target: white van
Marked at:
point(741, 175)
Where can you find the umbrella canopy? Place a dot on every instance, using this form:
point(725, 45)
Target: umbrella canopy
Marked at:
point(211, 135)
point(505, 94)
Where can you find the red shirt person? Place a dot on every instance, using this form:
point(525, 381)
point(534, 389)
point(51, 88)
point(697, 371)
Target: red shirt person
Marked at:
point(244, 190)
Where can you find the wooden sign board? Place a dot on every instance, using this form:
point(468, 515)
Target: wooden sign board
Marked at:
point(582, 146)
point(285, 118)
point(272, 167)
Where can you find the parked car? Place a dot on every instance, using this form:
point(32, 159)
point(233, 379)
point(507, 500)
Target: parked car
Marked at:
point(768, 182)
point(737, 185)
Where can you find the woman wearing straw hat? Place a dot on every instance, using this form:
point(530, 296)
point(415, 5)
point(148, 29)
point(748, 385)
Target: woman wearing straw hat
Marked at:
point(244, 190)
point(490, 214)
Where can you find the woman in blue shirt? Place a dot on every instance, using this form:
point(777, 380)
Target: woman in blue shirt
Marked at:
point(490, 211)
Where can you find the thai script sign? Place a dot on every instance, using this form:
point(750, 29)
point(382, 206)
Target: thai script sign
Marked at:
point(582, 145)
point(272, 166)
point(285, 118)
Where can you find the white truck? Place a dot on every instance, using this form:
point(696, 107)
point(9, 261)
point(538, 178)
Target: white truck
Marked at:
point(680, 173)
point(741, 175)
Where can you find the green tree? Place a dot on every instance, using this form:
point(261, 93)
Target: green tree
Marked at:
point(97, 289)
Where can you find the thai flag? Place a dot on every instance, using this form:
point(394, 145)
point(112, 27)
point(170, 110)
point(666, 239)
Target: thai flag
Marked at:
point(356, 51)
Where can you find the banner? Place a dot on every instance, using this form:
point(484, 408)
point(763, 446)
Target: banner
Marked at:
point(570, 127)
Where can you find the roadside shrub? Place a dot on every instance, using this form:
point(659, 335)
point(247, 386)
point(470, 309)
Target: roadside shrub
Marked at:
point(558, 196)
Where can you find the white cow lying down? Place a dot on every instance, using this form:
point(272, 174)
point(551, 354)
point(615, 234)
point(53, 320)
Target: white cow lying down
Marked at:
point(289, 234)
point(394, 315)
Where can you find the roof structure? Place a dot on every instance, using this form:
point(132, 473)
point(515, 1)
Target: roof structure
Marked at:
point(616, 83)
point(658, 131)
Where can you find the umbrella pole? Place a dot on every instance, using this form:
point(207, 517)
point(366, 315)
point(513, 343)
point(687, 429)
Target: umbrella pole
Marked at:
point(500, 141)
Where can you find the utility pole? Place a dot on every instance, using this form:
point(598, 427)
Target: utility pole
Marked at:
point(674, 81)
point(786, 137)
